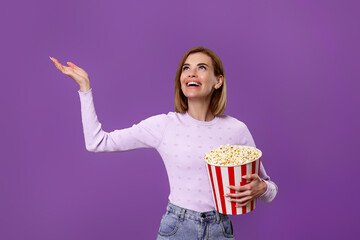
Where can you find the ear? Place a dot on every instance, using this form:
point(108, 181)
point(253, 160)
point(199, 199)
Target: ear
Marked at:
point(220, 81)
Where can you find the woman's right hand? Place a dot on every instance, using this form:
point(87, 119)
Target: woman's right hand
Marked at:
point(78, 74)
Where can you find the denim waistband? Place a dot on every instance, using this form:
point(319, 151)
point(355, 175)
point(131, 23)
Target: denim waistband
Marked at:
point(191, 214)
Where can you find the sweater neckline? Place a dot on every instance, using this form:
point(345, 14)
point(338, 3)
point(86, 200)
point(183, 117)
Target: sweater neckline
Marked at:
point(198, 122)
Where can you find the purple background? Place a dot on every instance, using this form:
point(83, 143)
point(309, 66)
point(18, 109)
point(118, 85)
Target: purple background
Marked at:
point(292, 70)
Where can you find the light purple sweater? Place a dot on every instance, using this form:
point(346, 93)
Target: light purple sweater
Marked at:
point(181, 141)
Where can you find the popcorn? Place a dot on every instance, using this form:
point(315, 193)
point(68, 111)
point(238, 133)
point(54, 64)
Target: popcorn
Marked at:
point(232, 155)
point(227, 165)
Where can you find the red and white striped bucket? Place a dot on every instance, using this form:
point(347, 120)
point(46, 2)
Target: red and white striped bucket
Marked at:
point(221, 176)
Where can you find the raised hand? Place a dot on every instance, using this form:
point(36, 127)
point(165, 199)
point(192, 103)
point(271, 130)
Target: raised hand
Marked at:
point(78, 74)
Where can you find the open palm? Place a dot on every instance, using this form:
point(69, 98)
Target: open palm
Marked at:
point(78, 74)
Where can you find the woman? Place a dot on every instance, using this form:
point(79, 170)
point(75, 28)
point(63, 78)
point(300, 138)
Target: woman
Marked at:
point(182, 138)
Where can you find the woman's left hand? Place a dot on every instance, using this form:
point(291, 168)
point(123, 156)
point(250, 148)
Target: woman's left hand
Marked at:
point(244, 194)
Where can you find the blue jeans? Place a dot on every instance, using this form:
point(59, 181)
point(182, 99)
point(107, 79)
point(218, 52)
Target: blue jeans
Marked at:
point(181, 223)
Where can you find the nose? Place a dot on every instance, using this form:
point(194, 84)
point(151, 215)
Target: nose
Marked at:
point(192, 73)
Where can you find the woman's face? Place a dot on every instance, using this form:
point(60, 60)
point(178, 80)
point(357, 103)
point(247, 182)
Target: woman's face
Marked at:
point(197, 77)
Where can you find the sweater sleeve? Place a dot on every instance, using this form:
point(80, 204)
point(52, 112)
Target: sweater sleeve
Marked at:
point(272, 189)
point(146, 134)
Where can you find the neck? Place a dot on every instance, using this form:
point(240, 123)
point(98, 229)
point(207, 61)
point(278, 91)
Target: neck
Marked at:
point(200, 110)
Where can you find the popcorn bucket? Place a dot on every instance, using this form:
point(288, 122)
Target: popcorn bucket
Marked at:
point(221, 176)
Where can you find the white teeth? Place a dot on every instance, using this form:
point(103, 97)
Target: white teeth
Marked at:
point(195, 83)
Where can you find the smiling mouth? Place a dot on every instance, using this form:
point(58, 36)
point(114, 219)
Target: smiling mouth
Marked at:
point(193, 84)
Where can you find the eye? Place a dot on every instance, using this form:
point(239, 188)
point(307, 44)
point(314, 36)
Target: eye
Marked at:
point(203, 67)
point(184, 68)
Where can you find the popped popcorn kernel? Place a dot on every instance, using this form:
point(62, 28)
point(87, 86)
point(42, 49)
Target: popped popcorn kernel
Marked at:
point(232, 155)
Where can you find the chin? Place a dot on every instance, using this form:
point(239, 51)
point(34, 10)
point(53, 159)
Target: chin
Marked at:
point(197, 97)
point(193, 96)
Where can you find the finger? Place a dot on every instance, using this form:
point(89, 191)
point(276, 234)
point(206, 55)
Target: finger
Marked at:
point(250, 176)
point(239, 188)
point(79, 69)
point(59, 66)
point(238, 195)
point(64, 69)
point(75, 69)
point(242, 200)
point(242, 204)
point(236, 188)
point(54, 60)
point(72, 65)
point(57, 63)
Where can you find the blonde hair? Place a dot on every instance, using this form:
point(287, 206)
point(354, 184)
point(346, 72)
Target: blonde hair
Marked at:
point(218, 98)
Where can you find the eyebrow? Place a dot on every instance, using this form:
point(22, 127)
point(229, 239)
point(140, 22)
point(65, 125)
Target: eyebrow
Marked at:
point(186, 64)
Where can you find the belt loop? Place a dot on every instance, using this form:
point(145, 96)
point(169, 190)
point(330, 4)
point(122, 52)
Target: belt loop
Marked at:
point(217, 217)
point(182, 214)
